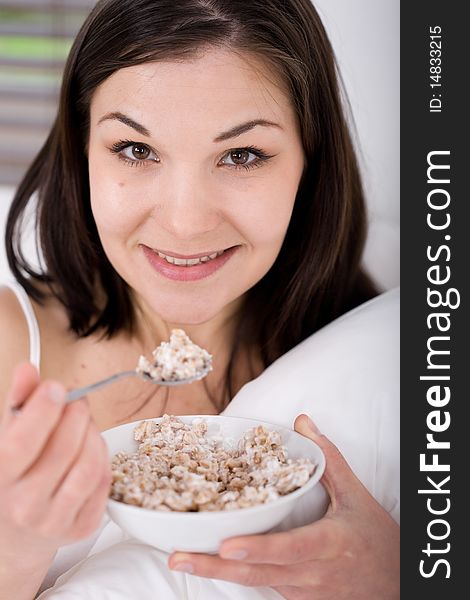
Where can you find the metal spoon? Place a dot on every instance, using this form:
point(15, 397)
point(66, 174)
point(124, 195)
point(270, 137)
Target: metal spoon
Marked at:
point(84, 391)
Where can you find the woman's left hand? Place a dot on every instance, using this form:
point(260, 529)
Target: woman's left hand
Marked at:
point(351, 553)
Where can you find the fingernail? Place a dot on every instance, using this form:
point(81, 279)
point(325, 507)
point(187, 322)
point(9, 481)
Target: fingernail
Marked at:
point(312, 426)
point(239, 554)
point(185, 567)
point(55, 392)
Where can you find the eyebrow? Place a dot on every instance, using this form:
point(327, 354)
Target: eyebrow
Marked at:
point(243, 128)
point(118, 116)
point(226, 135)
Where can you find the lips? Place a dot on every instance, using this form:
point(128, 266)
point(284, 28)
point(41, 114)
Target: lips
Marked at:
point(178, 267)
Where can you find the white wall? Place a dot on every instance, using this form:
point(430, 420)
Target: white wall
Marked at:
point(366, 36)
point(6, 194)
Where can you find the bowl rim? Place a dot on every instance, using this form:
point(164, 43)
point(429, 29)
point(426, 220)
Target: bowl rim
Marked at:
point(209, 514)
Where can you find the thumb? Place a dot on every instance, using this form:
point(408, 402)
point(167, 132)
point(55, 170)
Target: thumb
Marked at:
point(339, 480)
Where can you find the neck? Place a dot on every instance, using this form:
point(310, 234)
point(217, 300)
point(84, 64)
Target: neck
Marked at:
point(215, 335)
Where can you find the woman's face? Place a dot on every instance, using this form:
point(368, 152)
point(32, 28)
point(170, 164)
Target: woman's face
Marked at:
point(194, 168)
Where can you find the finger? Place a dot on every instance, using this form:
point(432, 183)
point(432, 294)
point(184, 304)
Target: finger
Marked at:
point(84, 513)
point(27, 434)
point(87, 519)
point(319, 540)
point(339, 480)
point(60, 452)
point(24, 380)
point(38, 485)
point(83, 477)
point(253, 575)
point(91, 513)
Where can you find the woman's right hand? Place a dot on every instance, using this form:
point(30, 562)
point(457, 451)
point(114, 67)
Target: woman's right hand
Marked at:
point(54, 471)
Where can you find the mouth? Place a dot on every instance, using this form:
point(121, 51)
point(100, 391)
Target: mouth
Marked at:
point(180, 267)
point(181, 260)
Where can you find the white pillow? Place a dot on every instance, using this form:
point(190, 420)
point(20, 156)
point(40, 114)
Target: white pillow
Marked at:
point(346, 377)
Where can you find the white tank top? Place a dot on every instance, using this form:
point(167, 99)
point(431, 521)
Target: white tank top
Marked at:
point(33, 328)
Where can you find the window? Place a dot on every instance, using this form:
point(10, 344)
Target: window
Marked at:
point(35, 37)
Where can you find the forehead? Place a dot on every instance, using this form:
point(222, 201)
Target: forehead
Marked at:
point(216, 84)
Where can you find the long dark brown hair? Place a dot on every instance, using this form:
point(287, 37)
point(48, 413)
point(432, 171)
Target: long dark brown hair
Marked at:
point(317, 275)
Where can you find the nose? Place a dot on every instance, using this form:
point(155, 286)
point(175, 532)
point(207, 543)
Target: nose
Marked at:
point(188, 206)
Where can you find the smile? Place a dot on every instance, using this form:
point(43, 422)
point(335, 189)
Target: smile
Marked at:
point(190, 267)
point(189, 262)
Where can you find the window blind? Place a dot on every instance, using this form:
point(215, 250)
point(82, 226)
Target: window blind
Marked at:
point(35, 37)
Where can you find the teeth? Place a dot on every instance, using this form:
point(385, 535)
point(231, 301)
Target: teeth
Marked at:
point(189, 262)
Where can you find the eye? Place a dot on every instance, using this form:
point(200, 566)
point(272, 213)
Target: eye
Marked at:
point(137, 151)
point(239, 157)
point(246, 158)
point(133, 153)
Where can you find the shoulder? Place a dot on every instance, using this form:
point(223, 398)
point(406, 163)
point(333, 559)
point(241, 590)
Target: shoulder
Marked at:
point(13, 327)
point(14, 332)
point(14, 346)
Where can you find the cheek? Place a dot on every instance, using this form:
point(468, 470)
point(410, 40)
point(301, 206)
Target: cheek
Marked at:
point(264, 215)
point(110, 204)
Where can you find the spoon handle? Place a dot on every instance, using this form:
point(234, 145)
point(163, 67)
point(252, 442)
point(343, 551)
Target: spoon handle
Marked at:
point(83, 391)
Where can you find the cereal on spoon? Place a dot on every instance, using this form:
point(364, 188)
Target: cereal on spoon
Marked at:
point(175, 360)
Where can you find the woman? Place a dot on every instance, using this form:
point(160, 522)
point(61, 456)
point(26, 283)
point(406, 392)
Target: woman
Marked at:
point(199, 174)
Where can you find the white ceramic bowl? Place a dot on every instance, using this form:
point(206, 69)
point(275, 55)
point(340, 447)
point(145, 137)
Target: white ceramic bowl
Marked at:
point(204, 531)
